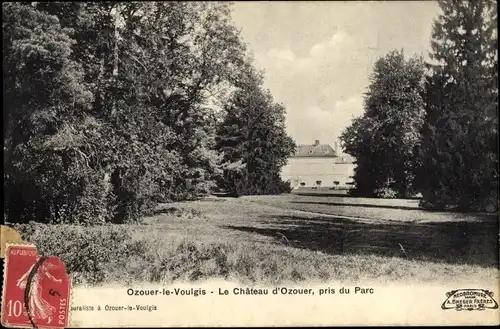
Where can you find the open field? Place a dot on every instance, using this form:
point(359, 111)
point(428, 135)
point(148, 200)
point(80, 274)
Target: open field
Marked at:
point(344, 226)
point(368, 208)
point(273, 239)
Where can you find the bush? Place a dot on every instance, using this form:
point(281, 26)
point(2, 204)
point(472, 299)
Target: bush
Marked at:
point(244, 183)
point(87, 251)
point(386, 193)
point(56, 191)
point(181, 213)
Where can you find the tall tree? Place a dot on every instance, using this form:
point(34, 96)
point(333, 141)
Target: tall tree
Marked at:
point(175, 56)
point(45, 98)
point(385, 139)
point(149, 71)
point(460, 139)
point(118, 112)
point(253, 141)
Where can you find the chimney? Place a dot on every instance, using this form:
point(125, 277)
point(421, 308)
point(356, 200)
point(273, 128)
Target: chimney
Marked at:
point(337, 149)
point(316, 142)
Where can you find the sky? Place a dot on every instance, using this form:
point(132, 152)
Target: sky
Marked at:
point(318, 56)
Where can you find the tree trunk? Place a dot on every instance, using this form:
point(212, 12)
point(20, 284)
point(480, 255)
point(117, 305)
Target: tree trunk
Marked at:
point(114, 78)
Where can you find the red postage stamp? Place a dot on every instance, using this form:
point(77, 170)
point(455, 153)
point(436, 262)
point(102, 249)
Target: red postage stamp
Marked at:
point(36, 289)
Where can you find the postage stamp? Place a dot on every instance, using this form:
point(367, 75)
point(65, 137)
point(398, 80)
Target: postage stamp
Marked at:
point(36, 290)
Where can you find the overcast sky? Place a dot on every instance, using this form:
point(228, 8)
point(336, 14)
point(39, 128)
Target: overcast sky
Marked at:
point(318, 55)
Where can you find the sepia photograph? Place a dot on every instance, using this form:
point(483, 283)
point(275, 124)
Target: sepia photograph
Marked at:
point(317, 149)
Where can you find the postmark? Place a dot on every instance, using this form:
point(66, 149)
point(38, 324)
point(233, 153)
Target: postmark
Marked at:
point(36, 291)
point(469, 300)
point(8, 235)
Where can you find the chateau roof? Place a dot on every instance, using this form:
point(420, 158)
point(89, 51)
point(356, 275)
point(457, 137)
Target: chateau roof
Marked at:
point(315, 150)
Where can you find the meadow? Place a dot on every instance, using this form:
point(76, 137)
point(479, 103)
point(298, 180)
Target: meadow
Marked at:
point(279, 239)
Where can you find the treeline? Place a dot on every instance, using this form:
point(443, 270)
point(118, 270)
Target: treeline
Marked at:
point(113, 107)
point(432, 128)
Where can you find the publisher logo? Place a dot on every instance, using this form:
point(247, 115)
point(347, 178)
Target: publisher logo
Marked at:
point(469, 300)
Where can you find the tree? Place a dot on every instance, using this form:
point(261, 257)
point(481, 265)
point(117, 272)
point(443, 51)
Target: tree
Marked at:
point(46, 102)
point(253, 141)
point(175, 58)
point(460, 138)
point(145, 74)
point(385, 139)
point(118, 113)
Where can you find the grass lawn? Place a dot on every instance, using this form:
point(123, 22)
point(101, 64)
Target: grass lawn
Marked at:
point(292, 238)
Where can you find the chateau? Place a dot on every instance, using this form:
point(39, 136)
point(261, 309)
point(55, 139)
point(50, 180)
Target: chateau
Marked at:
point(319, 165)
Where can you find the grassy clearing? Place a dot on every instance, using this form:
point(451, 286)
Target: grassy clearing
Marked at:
point(252, 241)
point(403, 210)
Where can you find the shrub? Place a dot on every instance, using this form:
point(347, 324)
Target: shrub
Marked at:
point(244, 183)
point(87, 251)
point(56, 192)
point(386, 193)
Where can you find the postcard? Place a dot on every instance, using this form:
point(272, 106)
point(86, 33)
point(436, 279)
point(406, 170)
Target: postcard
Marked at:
point(250, 164)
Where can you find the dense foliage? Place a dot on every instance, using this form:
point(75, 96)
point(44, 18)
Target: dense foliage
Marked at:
point(252, 126)
point(385, 139)
point(109, 106)
point(460, 140)
point(439, 138)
